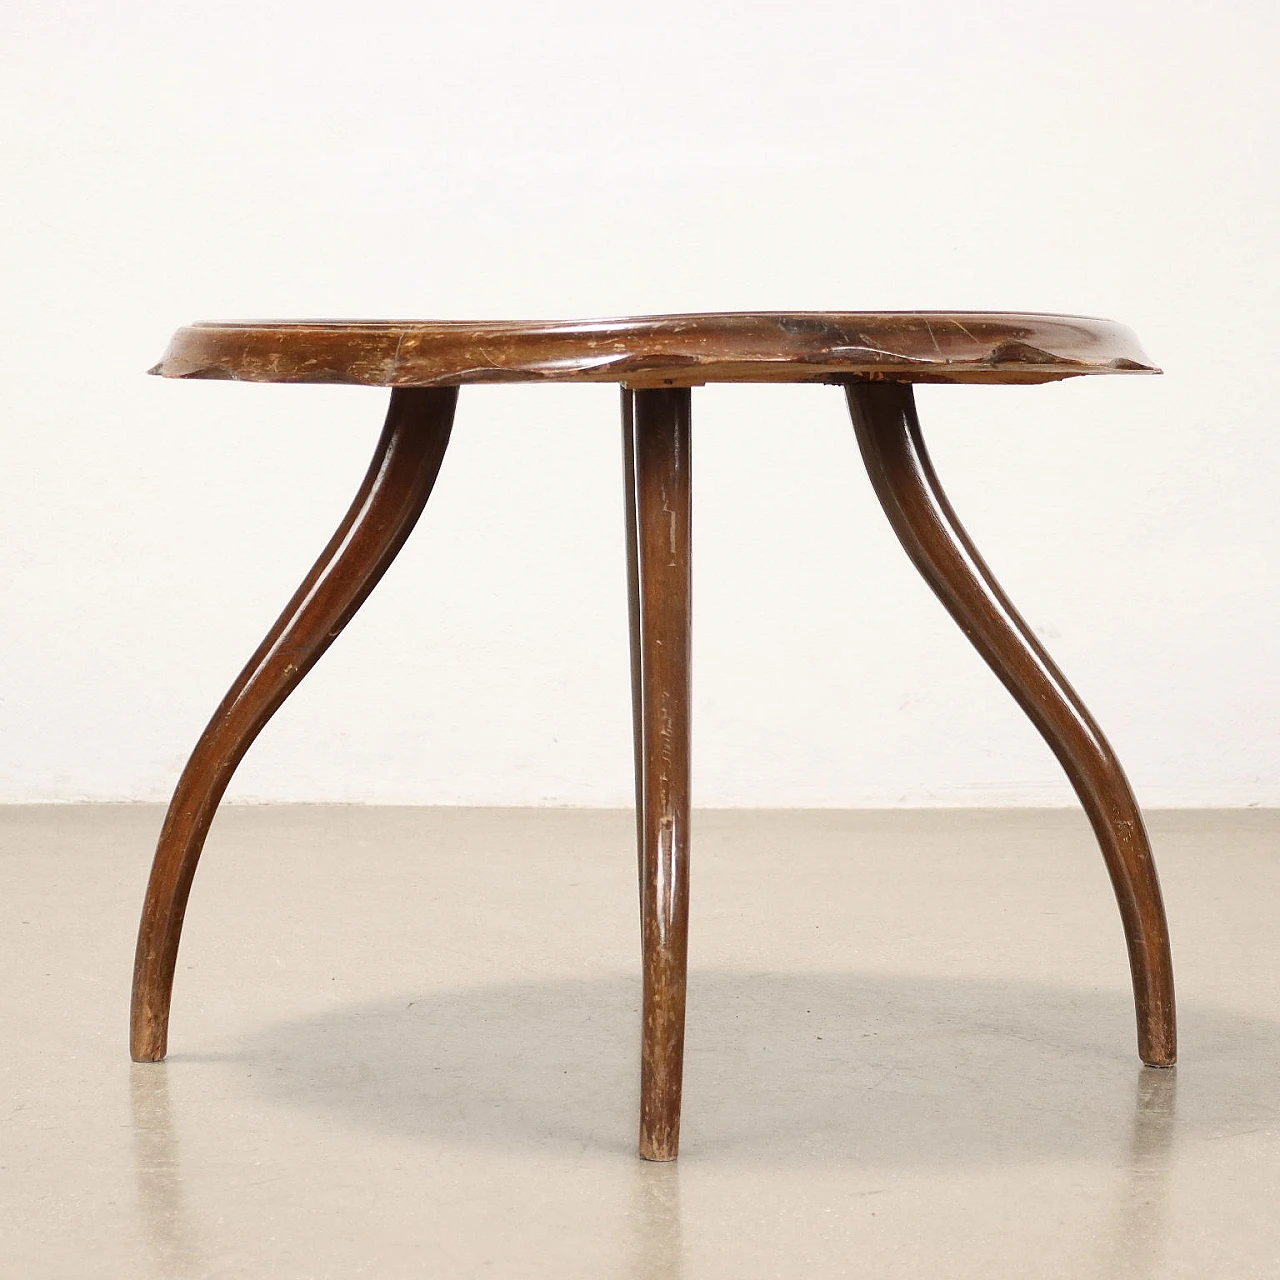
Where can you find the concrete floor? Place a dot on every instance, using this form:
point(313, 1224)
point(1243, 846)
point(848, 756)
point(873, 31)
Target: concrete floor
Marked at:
point(404, 1044)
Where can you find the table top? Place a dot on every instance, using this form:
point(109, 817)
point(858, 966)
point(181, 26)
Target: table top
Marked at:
point(657, 351)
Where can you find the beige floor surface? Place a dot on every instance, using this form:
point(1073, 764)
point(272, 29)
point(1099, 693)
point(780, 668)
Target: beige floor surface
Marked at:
point(404, 1044)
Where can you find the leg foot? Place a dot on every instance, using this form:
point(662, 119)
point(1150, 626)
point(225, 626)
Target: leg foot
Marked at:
point(656, 450)
point(889, 436)
point(389, 502)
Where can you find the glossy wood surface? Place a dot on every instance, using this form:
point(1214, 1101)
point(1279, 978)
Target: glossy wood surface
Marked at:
point(656, 359)
point(654, 351)
point(908, 488)
point(656, 454)
point(385, 510)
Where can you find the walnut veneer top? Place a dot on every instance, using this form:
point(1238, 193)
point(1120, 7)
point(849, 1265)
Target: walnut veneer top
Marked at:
point(655, 351)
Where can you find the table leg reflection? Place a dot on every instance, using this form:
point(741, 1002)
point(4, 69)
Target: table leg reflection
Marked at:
point(655, 1240)
point(166, 1219)
point(1141, 1201)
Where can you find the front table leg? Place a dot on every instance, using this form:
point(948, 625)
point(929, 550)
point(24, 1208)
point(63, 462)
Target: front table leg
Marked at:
point(888, 431)
point(386, 508)
point(655, 437)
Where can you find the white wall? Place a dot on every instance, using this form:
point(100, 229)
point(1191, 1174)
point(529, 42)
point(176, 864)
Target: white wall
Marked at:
point(167, 162)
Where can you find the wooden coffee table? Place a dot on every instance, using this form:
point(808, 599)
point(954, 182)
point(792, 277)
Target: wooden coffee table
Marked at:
point(875, 357)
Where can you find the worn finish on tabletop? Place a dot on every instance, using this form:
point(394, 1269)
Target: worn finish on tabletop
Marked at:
point(659, 515)
point(656, 359)
point(801, 346)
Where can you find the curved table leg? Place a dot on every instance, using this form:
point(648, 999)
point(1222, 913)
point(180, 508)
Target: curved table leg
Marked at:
point(656, 453)
point(889, 436)
point(385, 509)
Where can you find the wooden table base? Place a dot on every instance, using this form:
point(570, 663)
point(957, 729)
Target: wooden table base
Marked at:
point(656, 451)
point(655, 436)
point(884, 417)
point(386, 507)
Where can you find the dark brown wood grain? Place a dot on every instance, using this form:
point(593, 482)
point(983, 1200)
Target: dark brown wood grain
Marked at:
point(386, 508)
point(893, 449)
point(656, 359)
point(656, 450)
point(654, 351)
